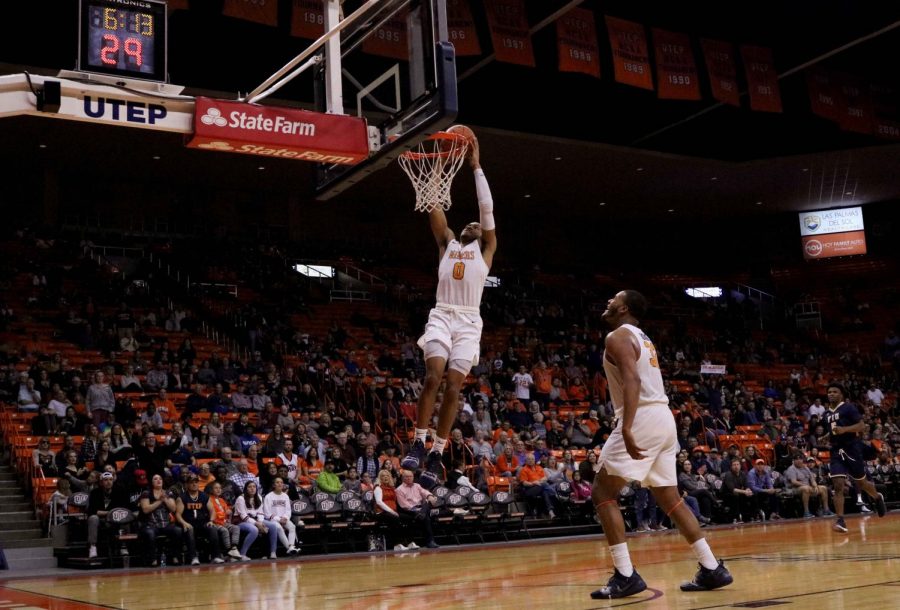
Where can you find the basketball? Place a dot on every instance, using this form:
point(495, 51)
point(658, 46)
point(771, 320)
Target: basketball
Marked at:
point(464, 131)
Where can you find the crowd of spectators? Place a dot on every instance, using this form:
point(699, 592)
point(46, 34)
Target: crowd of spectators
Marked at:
point(317, 413)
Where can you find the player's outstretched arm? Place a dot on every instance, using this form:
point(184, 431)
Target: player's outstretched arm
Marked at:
point(485, 205)
point(442, 233)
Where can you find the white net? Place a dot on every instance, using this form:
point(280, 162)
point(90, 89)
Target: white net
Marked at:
point(431, 168)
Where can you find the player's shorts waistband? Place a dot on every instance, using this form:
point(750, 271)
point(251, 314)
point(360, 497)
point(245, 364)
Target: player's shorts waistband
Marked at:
point(458, 308)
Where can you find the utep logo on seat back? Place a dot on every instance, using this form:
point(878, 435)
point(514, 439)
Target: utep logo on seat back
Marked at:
point(326, 505)
point(79, 499)
point(478, 498)
point(502, 496)
point(354, 504)
point(812, 222)
point(119, 514)
point(299, 506)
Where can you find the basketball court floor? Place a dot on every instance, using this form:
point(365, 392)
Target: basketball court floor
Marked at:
point(798, 564)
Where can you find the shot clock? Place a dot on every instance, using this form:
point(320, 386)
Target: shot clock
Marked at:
point(124, 38)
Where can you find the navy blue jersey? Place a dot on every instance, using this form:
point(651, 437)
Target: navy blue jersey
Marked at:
point(196, 512)
point(846, 414)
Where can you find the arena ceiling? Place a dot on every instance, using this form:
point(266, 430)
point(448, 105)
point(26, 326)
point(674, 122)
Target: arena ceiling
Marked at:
point(550, 141)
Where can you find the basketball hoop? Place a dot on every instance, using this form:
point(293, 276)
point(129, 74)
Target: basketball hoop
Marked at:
point(432, 166)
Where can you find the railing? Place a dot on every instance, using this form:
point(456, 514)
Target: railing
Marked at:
point(215, 288)
point(350, 295)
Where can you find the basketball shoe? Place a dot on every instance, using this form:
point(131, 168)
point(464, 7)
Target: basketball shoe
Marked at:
point(413, 459)
point(434, 471)
point(620, 586)
point(707, 580)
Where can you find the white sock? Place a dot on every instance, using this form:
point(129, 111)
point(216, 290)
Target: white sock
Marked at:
point(704, 554)
point(421, 434)
point(439, 444)
point(621, 559)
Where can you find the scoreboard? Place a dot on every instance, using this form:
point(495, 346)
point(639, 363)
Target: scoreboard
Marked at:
point(124, 38)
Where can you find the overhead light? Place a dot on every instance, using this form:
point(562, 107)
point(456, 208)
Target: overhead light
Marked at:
point(804, 169)
point(42, 146)
point(849, 193)
point(156, 157)
point(759, 203)
point(640, 169)
point(557, 158)
point(527, 196)
point(704, 292)
point(714, 178)
point(671, 209)
point(602, 203)
point(261, 167)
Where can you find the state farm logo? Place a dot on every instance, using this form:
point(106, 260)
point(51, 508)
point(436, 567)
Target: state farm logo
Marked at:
point(814, 247)
point(258, 121)
point(214, 116)
point(216, 145)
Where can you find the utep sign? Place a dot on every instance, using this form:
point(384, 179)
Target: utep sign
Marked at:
point(283, 133)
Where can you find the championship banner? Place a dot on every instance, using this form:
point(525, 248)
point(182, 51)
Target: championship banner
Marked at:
point(576, 38)
point(713, 369)
point(177, 5)
point(885, 106)
point(823, 99)
point(631, 58)
point(258, 11)
point(676, 71)
point(719, 57)
point(307, 19)
point(509, 31)
point(762, 80)
point(282, 133)
point(390, 39)
point(461, 28)
point(855, 113)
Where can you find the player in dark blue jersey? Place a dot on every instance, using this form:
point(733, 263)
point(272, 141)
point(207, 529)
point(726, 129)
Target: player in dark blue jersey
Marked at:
point(844, 424)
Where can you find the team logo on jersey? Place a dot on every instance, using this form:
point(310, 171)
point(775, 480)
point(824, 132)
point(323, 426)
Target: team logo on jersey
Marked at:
point(812, 222)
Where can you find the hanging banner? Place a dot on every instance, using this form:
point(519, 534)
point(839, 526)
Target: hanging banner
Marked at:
point(676, 71)
point(307, 19)
point(719, 57)
point(461, 28)
point(509, 31)
point(762, 80)
point(258, 11)
point(631, 59)
point(576, 37)
point(885, 111)
point(856, 110)
point(390, 39)
point(823, 99)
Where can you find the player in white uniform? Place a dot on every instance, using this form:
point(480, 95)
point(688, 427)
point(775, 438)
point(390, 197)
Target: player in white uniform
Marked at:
point(453, 334)
point(642, 448)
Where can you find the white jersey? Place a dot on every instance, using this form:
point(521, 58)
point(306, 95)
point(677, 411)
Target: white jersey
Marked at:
point(653, 391)
point(461, 275)
point(291, 465)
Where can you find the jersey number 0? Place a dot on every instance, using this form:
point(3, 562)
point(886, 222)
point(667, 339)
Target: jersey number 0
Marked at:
point(459, 271)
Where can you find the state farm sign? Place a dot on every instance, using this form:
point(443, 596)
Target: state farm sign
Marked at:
point(284, 133)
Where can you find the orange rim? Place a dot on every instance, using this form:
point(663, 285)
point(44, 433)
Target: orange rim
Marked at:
point(440, 135)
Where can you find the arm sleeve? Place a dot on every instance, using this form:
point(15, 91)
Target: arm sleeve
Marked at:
point(485, 201)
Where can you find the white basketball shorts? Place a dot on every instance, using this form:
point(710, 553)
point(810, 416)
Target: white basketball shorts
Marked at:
point(655, 432)
point(459, 330)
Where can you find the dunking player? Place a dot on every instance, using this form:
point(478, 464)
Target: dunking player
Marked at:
point(453, 333)
point(642, 448)
point(844, 423)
